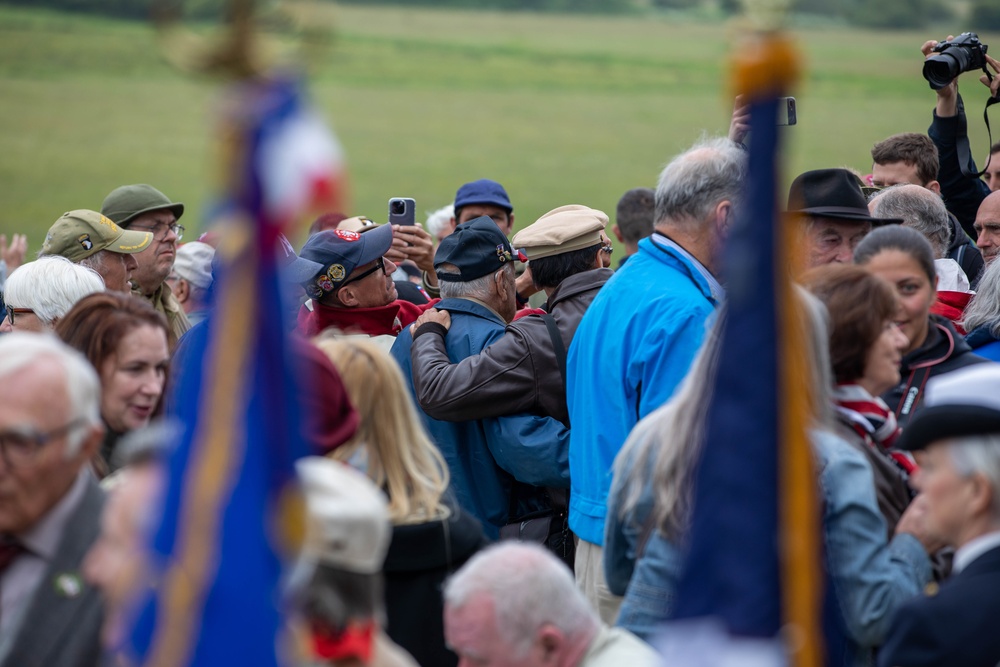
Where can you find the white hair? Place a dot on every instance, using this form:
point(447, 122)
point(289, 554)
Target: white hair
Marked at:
point(979, 454)
point(529, 588)
point(699, 179)
point(920, 209)
point(480, 288)
point(50, 286)
point(20, 350)
point(436, 220)
point(984, 309)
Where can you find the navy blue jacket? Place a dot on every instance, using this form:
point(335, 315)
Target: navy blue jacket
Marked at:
point(486, 456)
point(959, 626)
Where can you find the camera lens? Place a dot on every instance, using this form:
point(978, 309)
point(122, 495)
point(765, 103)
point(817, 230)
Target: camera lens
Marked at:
point(939, 70)
point(398, 207)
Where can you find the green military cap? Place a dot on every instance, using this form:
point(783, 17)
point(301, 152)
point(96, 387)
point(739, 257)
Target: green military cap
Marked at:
point(128, 202)
point(561, 230)
point(79, 234)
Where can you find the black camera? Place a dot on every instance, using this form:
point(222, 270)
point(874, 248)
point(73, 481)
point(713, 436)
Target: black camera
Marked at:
point(962, 54)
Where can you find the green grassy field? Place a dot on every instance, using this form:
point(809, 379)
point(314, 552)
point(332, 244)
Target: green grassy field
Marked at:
point(560, 109)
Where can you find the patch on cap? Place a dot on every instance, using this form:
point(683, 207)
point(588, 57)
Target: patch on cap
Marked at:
point(85, 241)
point(336, 272)
point(503, 254)
point(347, 235)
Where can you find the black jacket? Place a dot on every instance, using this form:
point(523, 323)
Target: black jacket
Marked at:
point(421, 556)
point(962, 195)
point(942, 352)
point(964, 251)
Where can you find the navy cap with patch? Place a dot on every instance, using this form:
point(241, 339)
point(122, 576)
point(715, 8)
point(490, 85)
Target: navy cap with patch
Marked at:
point(328, 258)
point(476, 247)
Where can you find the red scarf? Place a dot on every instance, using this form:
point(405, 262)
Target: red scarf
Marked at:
point(356, 641)
point(872, 419)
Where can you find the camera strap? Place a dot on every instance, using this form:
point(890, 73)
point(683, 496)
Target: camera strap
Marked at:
point(962, 140)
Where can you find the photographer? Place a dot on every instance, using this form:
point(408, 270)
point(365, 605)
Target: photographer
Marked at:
point(961, 194)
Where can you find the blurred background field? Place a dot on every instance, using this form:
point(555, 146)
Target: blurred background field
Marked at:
point(559, 108)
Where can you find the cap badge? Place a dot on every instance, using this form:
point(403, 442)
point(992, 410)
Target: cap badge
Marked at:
point(68, 584)
point(324, 283)
point(336, 272)
point(347, 235)
point(84, 240)
point(314, 291)
point(503, 254)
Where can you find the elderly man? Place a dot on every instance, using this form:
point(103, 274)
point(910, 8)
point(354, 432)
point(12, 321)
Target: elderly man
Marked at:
point(640, 334)
point(988, 227)
point(523, 370)
point(191, 278)
point(516, 605)
point(486, 457)
point(143, 208)
point(94, 241)
point(50, 504)
point(348, 276)
point(913, 158)
point(957, 440)
point(834, 215)
point(39, 293)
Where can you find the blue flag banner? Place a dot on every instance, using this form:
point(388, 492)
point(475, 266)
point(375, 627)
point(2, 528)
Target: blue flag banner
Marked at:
point(755, 560)
point(229, 511)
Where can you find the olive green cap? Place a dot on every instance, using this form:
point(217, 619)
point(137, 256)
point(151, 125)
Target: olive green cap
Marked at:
point(79, 234)
point(128, 202)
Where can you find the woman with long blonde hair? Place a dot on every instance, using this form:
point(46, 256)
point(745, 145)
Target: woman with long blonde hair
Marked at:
point(432, 537)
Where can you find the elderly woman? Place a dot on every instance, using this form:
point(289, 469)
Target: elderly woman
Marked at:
point(126, 341)
point(37, 294)
point(866, 348)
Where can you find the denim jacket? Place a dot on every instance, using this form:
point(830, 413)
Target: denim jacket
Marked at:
point(871, 578)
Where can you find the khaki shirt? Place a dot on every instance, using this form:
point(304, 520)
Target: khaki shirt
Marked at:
point(164, 301)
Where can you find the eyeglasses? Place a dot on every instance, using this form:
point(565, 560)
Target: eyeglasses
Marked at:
point(11, 311)
point(19, 448)
point(161, 229)
point(379, 266)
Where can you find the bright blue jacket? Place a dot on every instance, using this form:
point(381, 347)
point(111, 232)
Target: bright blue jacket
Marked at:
point(633, 347)
point(485, 456)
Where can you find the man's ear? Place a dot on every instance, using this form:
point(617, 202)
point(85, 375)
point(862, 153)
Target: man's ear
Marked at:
point(510, 224)
point(724, 217)
point(981, 500)
point(550, 642)
point(618, 234)
point(934, 187)
point(183, 291)
point(347, 297)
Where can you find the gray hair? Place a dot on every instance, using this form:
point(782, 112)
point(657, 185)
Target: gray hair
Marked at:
point(984, 309)
point(19, 351)
point(529, 588)
point(335, 597)
point(920, 209)
point(50, 286)
point(979, 454)
point(436, 220)
point(699, 179)
point(480, 288)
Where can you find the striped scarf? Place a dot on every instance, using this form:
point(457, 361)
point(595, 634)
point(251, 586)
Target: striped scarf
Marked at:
point(872, 419)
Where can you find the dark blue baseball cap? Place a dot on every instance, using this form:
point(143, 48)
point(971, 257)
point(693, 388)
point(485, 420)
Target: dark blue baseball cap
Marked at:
point(477, 248)
point(329, 257)
point(483, 191)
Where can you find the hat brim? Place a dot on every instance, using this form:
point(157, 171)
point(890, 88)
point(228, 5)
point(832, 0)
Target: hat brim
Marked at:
point(486, 201)
point(176, 208)
point(942, 422)
point(846, 214)
point(377, 241)
point(130, 242)
point(302, 270)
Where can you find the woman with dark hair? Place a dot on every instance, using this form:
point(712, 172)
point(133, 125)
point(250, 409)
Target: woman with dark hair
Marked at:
point(902, 257)
point(125, 340)
point(866, 348)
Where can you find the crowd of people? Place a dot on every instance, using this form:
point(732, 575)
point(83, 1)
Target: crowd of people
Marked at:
point(504, 429)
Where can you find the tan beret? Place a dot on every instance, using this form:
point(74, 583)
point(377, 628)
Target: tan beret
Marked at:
point(561, 230)
point(358, 223)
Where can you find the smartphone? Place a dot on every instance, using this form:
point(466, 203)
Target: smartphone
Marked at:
point(786, 111)
point(402, 211)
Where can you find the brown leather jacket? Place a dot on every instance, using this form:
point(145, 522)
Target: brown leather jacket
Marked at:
point(518, 373)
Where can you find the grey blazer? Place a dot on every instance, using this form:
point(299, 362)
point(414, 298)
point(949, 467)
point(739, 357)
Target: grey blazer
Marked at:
point(62, 626)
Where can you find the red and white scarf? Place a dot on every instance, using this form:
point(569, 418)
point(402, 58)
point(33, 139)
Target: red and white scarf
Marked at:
point(872, 419)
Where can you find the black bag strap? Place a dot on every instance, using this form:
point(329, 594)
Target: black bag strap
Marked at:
point(911, 394)
point(557, 343)
point(962, 140)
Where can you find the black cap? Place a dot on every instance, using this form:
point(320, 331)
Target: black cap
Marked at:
point(832, 193)
point(962, 403)
point(476, 247)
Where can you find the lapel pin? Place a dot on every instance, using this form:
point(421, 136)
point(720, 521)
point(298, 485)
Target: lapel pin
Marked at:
point(68, 585)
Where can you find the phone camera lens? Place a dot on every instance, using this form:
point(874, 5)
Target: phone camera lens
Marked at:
point(398, 207)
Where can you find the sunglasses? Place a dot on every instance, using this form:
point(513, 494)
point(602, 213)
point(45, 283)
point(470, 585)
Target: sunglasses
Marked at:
point(379, 266)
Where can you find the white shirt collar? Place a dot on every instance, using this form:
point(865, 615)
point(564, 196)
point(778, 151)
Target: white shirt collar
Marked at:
point(973, 549)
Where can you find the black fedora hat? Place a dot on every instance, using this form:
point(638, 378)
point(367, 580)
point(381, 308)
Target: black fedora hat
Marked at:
point(832, 193)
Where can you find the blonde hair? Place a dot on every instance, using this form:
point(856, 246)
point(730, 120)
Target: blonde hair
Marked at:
point(401, 458)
